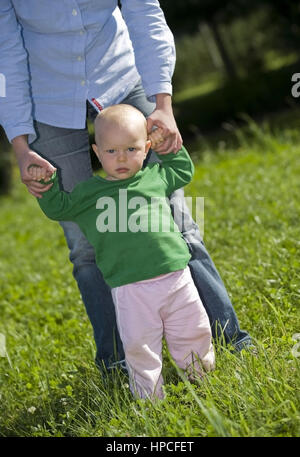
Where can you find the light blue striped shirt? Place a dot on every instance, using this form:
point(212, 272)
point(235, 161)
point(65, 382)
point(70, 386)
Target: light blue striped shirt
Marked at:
point(57, 54)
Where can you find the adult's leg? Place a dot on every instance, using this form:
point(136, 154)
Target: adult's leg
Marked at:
point(207, 280)
point(68, 150)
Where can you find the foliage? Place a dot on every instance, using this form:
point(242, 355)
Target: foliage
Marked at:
point(239, 36)
point(49, 385)
point(263, 93)
point(185, 16)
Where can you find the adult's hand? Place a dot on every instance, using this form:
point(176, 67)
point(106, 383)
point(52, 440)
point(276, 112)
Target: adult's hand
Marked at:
point(163, 117)
point(25, 157)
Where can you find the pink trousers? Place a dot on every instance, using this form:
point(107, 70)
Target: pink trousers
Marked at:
point(169, 306)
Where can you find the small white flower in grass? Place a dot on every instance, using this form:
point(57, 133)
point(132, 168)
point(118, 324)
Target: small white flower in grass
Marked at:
point(2, 345)
point(238, 376)
point(32, 409)
point(3, 351)
point(295, 349)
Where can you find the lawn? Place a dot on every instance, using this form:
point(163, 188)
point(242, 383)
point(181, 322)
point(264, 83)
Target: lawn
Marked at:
point(49, 385)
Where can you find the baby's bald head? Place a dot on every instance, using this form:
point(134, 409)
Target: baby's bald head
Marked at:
point(120, 117)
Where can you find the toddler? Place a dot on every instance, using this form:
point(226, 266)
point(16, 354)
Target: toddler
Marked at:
point(139, 249)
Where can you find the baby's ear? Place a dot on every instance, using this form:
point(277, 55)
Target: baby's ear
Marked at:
point(148, 146)
point(95, 148)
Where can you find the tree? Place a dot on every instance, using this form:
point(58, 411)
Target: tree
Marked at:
point(286, 13)
point(187, 17)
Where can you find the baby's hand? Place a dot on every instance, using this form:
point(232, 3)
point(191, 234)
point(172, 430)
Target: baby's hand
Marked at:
point(38, 173)
point(156, 138)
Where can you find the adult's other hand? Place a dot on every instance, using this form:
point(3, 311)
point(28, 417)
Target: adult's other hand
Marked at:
point(163, 117)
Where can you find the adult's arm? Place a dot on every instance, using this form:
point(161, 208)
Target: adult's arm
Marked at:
point(16, 106)
point(155, 57)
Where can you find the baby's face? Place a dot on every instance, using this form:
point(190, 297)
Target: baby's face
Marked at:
point(122, 151)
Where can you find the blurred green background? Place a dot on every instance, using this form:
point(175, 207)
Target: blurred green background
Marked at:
point(235, 110)
point(234, 58)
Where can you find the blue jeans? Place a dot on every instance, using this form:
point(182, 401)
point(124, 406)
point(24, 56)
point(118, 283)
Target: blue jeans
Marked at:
point(68, 150)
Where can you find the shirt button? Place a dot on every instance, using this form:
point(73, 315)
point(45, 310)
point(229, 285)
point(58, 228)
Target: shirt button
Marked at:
point(79, 58)
point(74, 12)
point(82, 82)
point(81, 32)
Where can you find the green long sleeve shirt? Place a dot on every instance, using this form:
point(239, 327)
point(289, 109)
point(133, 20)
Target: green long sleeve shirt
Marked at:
point(128, 222)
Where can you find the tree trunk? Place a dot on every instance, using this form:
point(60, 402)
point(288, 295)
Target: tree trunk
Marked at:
point(211, 46)
point(227, 61)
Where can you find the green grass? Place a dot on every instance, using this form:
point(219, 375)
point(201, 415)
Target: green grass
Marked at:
point(49, 385)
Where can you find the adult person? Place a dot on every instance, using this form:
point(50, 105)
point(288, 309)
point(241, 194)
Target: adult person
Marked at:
point(65, 63)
